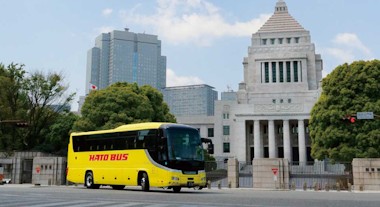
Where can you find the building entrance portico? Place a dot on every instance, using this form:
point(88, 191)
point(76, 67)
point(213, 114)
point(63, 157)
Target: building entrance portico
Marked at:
point(271, 138)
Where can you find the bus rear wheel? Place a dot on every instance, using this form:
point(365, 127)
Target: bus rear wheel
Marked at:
point(176, 189)
point(118, 187)
point(89, 180)
point(145, 182)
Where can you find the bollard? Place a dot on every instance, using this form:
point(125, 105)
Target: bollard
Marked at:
point(219, 185)
point(338, 187)
point(315, 186)
point(229, 184)
point(294, 185)
point(49, 182)
point(304, 186)
point(327, 187)
point(360, 187)
point(349, 187)
point(209, 184)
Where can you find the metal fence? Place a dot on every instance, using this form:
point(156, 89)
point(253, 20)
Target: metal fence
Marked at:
point(321, 173)
point(245, 175)
point(216, 171)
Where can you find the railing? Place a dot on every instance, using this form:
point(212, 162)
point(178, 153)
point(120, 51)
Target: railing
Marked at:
point(216, 171)
point(322, 173)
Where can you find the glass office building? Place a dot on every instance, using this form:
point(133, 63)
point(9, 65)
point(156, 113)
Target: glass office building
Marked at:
point(193, 100)
point(126, 57)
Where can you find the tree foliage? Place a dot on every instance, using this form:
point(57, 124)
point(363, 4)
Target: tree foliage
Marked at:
point(29, 97)
point(347, 90)
point(122, 103)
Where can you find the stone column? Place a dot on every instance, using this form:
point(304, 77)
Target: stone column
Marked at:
point(285, 71)
point(262, 64)
point(257, 139)
point(287, 145)
point(277, 72)
point(299, 70)
point(270, 72)
point(262, 139)
point(271, 139)
point(302, 141)
point(304, 70)
point(292, 71)
point(238, 131)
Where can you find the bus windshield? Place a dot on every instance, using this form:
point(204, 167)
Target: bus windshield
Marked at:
point(184, 144)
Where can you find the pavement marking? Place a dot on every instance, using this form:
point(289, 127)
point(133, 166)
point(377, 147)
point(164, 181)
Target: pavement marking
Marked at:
point(52, 203)
point(25, 202)
point(91, 203)
point(128, 204)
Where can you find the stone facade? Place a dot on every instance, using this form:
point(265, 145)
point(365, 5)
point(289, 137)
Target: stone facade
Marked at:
point(366, 173)
point(281, 84)
point(263, 176)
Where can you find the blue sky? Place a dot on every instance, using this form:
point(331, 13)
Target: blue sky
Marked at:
point(204, 41)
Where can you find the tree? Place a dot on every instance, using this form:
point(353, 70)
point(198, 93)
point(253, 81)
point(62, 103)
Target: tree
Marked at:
point(29, 97)
point(13, 105)
point(347, 90)
point(58, 134)
point(122, 103)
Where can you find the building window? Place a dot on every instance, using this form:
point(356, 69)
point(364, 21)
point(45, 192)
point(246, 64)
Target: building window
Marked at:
point(264, 41)
point(224, 116)
point(210, 132)
point(297, 40)
point(293, 129)
point(272, 41)
point(226, 130)
point(295, 71)
point(307, 129)
point(280, 41)
point(228, 116)
point(274, 72)
point(266, 72)
point(265, 129)
point(282, 101)
point(289, 40)
point(281, 64)
point(289, 100)
point(288, 72)
point(273, 100)
point(226, 147)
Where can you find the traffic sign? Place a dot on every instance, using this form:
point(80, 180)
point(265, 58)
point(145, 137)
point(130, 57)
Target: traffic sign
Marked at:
point(38, 170)
point(365, 115)
point(274, 170)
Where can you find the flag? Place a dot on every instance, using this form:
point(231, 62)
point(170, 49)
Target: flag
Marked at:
point(93, 87)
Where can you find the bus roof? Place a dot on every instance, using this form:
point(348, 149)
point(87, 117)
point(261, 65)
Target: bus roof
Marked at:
point(128, 127)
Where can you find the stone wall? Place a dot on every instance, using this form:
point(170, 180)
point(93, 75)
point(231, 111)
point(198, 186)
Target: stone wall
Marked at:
point(367, 173)
point(53, 170)
point(263, 176)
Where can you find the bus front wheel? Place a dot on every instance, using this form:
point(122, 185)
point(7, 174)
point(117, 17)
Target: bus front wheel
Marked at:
point(89, 180)
point(176, 189)
point(145, 182)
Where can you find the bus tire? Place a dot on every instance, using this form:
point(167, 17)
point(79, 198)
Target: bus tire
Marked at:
point(118, 187)
point(145, 182)
point(176, 189)
point(89, 181)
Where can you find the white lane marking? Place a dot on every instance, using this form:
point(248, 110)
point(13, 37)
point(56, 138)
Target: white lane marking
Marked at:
point(58, 203)
point(128, 204)
point(92, 204)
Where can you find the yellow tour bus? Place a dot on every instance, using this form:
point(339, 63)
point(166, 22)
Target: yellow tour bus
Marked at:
point(147, 155)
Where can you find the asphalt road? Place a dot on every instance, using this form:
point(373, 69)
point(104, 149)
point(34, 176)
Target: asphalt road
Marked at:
point(27, 195)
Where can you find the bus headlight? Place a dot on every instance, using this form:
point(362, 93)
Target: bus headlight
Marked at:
point(175, 178)
point(203, 179)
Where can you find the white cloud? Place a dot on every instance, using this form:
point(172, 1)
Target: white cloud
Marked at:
point(324, 73)
point(192, 21)
point(348, 48)
point(107, 12)
point(342, 55)
point(104, 29)
point(173, 80)
point(352, 41)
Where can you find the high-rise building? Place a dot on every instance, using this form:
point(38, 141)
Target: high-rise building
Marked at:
point(270, 117)
point(193, 100)
point(126, 57)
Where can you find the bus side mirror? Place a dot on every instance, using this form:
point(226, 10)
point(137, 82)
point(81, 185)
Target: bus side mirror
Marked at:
point(210, 148)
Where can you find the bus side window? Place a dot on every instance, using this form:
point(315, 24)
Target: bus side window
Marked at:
point(126, 140)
